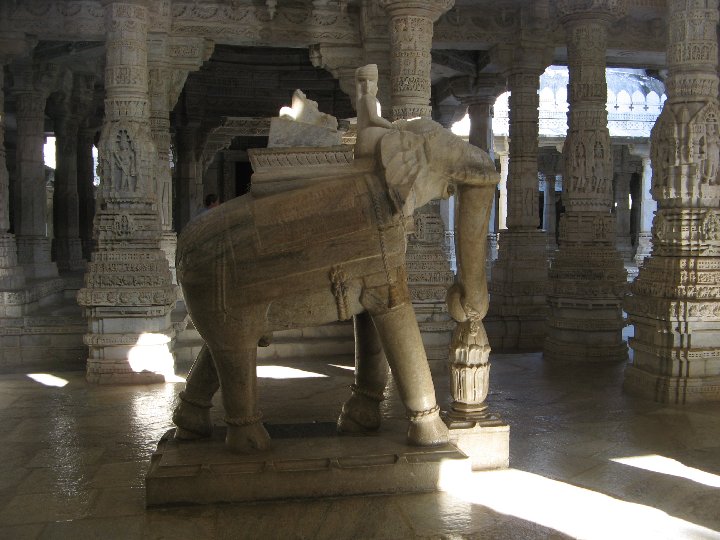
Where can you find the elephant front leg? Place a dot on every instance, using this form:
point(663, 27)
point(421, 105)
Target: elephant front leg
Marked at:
point(361, 412)
point(192, 413)
point(402, 342)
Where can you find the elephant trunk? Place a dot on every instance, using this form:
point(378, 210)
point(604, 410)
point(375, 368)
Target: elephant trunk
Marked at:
point(468, 304)
point(469, 295)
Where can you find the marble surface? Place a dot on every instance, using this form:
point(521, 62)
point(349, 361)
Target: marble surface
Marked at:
point(74, 459)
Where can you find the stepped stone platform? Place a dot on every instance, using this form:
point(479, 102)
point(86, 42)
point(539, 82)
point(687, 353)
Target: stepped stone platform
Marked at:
point(305, 461)
point(42, 327)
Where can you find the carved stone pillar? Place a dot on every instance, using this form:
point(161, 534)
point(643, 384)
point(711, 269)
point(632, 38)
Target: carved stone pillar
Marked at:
point(587, 278)
point(128, 293)
point(504, 156)
point(168, 69)
point(376, 50)
point(519, 275)
point(31, 223)
point(429, 272)
point(159, 74)
point(621, 188)
point(675, 301)
point(411, 32)
point(11, 273)
point(648, 205)
point(188, 176)
point(86, 189)
point(549, 211)
point(68, 247)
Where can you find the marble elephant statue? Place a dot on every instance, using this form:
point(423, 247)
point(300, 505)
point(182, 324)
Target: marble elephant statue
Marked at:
point(331, 250)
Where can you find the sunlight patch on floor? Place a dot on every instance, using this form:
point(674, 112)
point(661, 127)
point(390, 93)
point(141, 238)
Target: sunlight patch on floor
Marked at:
point(284, 372)
point(578, 512)
point(47, 379)
point(672, 467)
point(349, 368)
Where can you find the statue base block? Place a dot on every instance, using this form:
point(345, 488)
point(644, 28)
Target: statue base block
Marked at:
point(486, 441)
point(205, 472)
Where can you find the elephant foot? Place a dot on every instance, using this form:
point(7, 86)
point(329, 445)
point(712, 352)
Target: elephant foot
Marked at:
point(247, 438)
point(427, 428)
point(192, 421)
point(359, 414)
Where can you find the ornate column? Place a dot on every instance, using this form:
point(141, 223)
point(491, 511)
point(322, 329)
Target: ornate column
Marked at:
point(11, 273)
point(648, 205)
point(519, 275)
point(504, 158)
point(621, 189)
point(128, 293)
point(166, 81)
point(429, 272)
point(188, 175)
point(675, 301)
point(587, 277)
point(86, 188)
point(32, 85)
point(549, 211)
point(158, 89)
point(68, 115)
point(411, 32)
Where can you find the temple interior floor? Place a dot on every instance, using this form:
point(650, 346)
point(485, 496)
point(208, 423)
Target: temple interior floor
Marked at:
point(587, 461)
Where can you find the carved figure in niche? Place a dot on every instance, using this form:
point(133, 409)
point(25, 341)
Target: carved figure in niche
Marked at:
point(327, 251)
point(709, 151)
point(371, 125)
point(125, 169)
point(711, 226)
point(580, 158)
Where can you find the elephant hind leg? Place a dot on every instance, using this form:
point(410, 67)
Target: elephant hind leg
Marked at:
point(361, 412)
point(236, 367)
point(192, 413)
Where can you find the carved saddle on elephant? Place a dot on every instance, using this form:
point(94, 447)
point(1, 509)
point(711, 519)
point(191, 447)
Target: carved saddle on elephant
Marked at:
point(338, 234)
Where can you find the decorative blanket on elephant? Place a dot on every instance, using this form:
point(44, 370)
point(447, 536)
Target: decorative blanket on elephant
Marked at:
point(287, 242)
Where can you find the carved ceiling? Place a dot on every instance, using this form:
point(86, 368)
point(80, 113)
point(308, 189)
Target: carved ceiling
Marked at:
point(252, 82)
point(259, 60)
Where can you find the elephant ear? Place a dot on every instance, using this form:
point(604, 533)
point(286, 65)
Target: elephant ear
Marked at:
point(405, 162)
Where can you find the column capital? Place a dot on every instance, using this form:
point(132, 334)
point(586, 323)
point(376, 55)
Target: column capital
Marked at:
point(14, 45)
point(341, 61)
point(333, 57)
point(641, 150)
point(604, 10)
point(432, 9)
point(29, 76)
point(522, 57)
point(479, 90)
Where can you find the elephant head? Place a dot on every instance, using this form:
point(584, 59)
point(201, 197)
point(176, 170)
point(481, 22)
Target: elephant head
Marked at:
point(424, 161)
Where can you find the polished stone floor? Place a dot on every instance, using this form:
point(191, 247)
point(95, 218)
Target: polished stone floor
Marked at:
point(587, 461)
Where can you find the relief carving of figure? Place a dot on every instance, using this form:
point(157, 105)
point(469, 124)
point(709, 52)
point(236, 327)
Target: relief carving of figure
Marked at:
point(124, 161)
point(329, 250)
